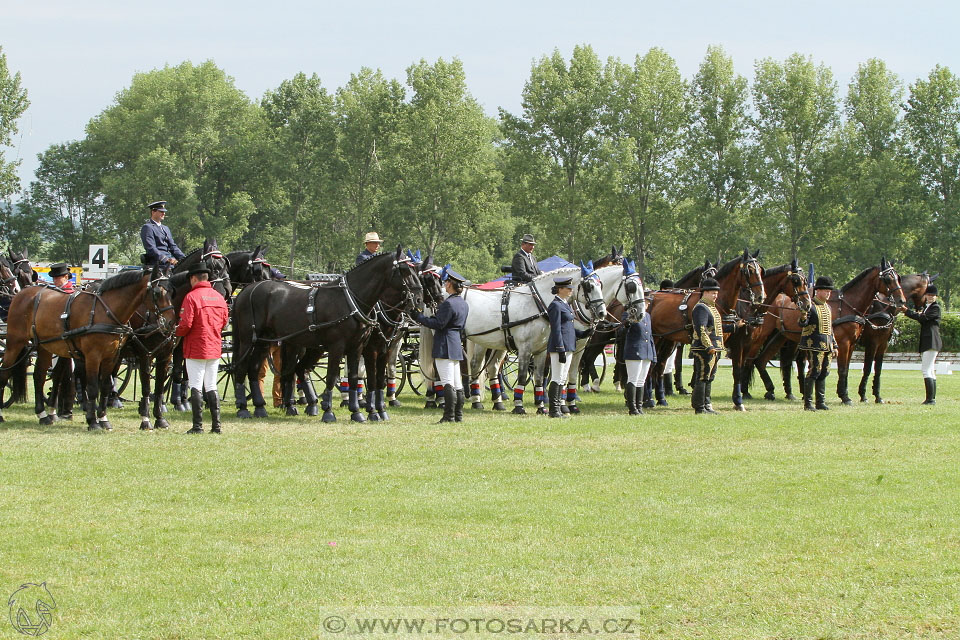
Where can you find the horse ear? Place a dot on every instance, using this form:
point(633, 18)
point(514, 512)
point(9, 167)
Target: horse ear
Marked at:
point(399, 252)
point(258, 251)
point(933, 277)
point(155, 273)
point(793, 264)
point(883, 262)
point(756, 254)
point(620, 250)
point(428, 262)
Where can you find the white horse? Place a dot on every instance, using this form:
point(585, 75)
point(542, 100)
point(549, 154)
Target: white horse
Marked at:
point(528, 324)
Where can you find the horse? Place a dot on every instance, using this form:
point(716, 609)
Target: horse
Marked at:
point(669, 310)
point(87, 325)
point(336, 318)
point(875, 338)
point(9, 286)
point(523, 324)
point(26, 276)
point(787, 280)
point(219, 267)
point(604, 334)
point(247, 267)
point(781, 325)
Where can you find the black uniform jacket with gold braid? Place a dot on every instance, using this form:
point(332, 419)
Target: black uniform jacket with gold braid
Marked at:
point(817, 333)
point(707, 327)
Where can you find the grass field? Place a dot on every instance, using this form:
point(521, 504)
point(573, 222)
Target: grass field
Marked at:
point(774, 523)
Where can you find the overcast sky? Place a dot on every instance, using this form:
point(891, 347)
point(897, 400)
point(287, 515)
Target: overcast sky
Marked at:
point(75, 56)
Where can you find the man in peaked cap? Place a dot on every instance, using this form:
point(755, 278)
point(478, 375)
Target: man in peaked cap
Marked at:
point(818, 343)
point(371, 244)
point(706, 345)
point(158, 245)
point(524, 267)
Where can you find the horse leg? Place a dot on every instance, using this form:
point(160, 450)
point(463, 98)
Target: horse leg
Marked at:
point(538, 378)
point(44, 358)
point(333, 378)
point(391, 371)
point(92, 389)
point(105, 376)
point(736, 358)
point(160, 364)
point(143, 371)
point(843, 370)
point(678, 371)
point(177, 387)
point(523, 373)
point(288, 376)
point(304, 366)
point(353, 377)
point(253, 378)
point(371, 357)
point(878, 365)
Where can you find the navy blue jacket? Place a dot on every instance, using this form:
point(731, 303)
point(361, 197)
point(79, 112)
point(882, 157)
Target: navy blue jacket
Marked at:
point(447, 323)
point(929, 320)
point(563, 335)
point(638, 344)
point(158, 243)
point(364, 256)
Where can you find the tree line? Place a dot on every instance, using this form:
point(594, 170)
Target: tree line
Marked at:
point(601, 152)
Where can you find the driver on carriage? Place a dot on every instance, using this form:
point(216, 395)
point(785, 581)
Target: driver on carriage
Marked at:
point(371, 243)
point(524, 267)
point(158, 245)
point(60, 274)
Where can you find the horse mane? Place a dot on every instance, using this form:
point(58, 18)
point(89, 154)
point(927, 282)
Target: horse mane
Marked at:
point(775, 271)
point(728, 267)
point(376, 255)
point(856, 280)
point(177, 280)
point(689, 274)
point(556, 272)
point(124, 279)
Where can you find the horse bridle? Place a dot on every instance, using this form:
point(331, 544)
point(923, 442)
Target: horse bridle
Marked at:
point(745, 275)
point(591, 303)
point(637, 305)
point(801, 281)
point(885, 275)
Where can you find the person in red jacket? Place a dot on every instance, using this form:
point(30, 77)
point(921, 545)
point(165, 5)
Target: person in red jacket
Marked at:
point(202, 319)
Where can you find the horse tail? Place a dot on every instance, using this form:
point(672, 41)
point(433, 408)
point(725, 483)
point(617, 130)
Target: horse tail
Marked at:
point(18, 376)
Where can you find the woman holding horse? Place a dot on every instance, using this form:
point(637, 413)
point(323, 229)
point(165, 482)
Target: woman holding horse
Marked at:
point(562, 341)
point(930, 342)
point(447, 324)
point(639, 353)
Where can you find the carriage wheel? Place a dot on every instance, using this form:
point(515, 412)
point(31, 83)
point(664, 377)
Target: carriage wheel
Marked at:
point(225, 374)
point(601, 365)
point(402, 372)
point(124, 371)
point(8, 401)
point(410, 353)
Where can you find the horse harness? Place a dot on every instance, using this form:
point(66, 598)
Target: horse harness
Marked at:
point(69, 335)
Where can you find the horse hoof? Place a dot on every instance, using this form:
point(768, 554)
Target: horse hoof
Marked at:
point(747, 395)
point(145, 425)
point(395, 403)
point(105, 425)
point(662, 403)
point(291, 411)
point(95, 427)
point(477, 405)
point(356, 416)
point(498, 406)
point(769, 395)
point(430, 404)
point(301, 401)
point(683, 392)
point(161, 423)
point(328, 416)
point(260, 412)
point(46, 420)
point(65, 416)
point(244, 414)
point(519, 411)
point(574, 409)
point(739, 407)
point(373, 416)
point(115, 404)
point(344, 404)
point(847, 402)
point(177, 406)
point(383, 416)
point(863, 398)
point(312, 410)
point(541, 411)
point(790, 396)
point(879, 401)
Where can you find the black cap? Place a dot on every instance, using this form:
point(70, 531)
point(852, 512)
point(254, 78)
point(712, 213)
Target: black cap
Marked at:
point(61, 269)
point(198, 269)
point(709, 284)
point(159, 205)
point(666, 284)
point(824, 282)
point(931, 290)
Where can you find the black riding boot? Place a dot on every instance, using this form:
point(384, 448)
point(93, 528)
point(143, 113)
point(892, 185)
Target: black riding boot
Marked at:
point(662, 392)
point(708, 397)
point(196, 404)
point(930, 385)
point(666, 384)
point(458, 408)
point(808, 395)
point(630, 395)
point(697, 398)
point(553, 395)
point(213, 401)
point(821, 387)
point(449, 403)
point(638, 399)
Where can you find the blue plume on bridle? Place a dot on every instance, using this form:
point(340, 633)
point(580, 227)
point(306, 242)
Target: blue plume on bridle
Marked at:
point(629, 267)
point(586, 269)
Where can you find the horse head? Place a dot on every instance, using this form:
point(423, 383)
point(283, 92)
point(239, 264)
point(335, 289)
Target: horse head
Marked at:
point(709, 271)
point(430, 281)
point(219, 268)
point(751, 278)
point(9, 285)
point(890, 284)
point(796, 288)
point(26, 276)
point(592, 290)
point(160, 305)
point(406, 279)
point(632, 298)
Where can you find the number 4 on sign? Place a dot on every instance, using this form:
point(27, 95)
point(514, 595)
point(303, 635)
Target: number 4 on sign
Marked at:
point(98, 257)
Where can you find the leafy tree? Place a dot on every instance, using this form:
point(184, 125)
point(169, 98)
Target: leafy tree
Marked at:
point(13, 102)
point(647, 113)
point(66, 194)
point(187, 135)
point(444, 171)
point(933, 124)
point(796, 115)
point(299, 115)
point(553, 145)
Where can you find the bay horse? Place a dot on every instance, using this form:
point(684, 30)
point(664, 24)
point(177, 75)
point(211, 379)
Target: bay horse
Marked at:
point(670, 310)
point(336, 317)
point(877, 333)
point(848, 305)
point(87, 325)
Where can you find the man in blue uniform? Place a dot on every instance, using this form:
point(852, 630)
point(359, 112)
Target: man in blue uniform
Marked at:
point(158, 245)
point(371, 243)
point(818, 343)
point(706, 345)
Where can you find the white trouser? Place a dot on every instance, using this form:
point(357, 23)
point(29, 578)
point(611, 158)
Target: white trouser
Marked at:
point(671, 361)
point(928, 364)
point(202, 373)
point(637, 371)
point(449, 372)
point(560, 370)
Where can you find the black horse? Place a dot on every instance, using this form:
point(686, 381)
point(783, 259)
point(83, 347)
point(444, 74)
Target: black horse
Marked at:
point(336, 317)
point(247, 267)
point(26, 276)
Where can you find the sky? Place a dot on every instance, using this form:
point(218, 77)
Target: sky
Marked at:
point(74, 57)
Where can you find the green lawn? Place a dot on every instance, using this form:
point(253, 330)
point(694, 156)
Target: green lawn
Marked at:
point(773, 523)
